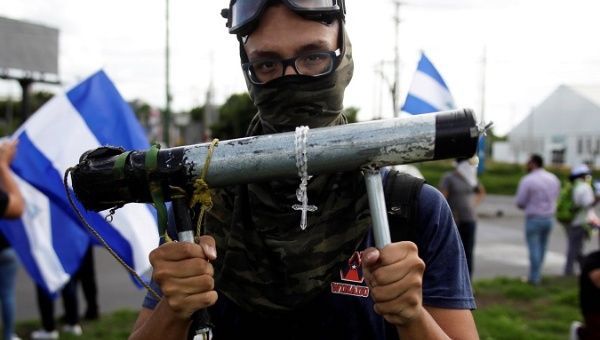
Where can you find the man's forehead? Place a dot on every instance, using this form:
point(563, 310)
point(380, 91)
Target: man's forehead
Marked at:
point(273, 48)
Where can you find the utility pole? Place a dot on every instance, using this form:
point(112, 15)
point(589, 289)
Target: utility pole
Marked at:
point(482, 147)
point(380, 86)
point(210, 111)
point(167, 112)
point(393, 84)
point(483, 80)
point(388, 85)
point(396, 85)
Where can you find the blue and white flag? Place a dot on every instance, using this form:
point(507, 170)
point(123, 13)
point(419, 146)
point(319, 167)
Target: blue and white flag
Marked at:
point(49, 238)
point(428, 92)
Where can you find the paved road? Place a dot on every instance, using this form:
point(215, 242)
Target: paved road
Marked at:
point(500, 251)
point(500, 248)
point(116, 290)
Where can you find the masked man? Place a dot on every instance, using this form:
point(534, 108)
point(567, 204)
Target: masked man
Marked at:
point(256, 271)
point(464, 193)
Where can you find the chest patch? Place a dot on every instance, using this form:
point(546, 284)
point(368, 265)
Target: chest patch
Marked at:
point(352, 278)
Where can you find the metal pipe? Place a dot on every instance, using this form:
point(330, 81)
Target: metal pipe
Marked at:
point(99, 184)
point(339, 148)
point(381, 230)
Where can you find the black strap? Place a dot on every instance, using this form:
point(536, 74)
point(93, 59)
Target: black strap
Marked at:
point(401, 193)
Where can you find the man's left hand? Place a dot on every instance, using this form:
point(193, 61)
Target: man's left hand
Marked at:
point(395, 276)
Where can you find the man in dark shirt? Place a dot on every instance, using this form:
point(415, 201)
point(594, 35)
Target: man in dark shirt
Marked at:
point(271, 279)
point(464, 193)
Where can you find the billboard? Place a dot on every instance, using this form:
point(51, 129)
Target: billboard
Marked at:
point(28, 47)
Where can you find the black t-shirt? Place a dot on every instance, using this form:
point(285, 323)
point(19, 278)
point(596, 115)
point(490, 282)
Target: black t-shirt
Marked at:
point(589, 295)
point(3, 204)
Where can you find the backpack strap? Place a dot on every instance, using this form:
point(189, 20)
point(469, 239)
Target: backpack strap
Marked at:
point(401, 192)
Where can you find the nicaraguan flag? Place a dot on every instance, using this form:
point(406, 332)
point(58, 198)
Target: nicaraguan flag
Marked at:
point(49, 239)
point(428, 92)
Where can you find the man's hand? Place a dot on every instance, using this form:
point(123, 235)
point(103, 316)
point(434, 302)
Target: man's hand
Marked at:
point(185, 275)
point(395, 275)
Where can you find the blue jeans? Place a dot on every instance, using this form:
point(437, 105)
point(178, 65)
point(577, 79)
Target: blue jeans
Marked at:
point(537, 230)
point(8, 275)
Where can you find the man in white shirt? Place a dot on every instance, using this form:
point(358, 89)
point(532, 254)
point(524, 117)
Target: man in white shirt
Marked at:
point(579, 229)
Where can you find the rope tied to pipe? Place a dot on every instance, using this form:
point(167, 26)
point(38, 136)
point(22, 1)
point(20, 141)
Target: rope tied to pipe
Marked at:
point(202, 193)
point(102, 240)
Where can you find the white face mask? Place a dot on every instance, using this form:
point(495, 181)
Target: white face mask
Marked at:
point(468, 171)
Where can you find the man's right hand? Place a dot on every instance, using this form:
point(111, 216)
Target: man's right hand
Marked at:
point(185, 275)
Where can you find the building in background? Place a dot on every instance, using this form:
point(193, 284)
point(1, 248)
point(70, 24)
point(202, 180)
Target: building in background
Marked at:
point(28, 54)
point(564, 129)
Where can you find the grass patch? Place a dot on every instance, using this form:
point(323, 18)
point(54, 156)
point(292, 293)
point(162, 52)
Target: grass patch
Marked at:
point(498, 178)
point(114, 326)
point(507, 309)
point(511, 309)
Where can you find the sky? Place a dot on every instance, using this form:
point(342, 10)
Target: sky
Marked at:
point(530, 47)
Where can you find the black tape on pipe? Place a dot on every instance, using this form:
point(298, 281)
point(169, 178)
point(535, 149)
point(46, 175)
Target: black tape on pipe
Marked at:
point(454, 135)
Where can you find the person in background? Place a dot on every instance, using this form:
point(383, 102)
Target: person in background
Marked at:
point(70, 300)
point(580, 228)
point(12, 205)
point(86, 275)
point(46, 308)
point(464, 192)
point(537, 194)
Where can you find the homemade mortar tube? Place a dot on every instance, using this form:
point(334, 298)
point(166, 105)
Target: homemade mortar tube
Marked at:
point(102, 182)
point(340, 148)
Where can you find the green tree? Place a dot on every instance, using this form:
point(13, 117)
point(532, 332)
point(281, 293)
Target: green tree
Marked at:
point(234, 117)
point(197, 113)
point(141, 110)
point(10, 110)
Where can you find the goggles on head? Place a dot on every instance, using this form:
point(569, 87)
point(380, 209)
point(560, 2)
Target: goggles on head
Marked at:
point(243, 14)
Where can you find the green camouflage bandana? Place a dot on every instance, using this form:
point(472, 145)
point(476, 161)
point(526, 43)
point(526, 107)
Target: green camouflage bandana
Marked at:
point(288, 102)
point(266, 263)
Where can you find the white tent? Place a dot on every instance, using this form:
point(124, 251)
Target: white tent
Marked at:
point(564, 129)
